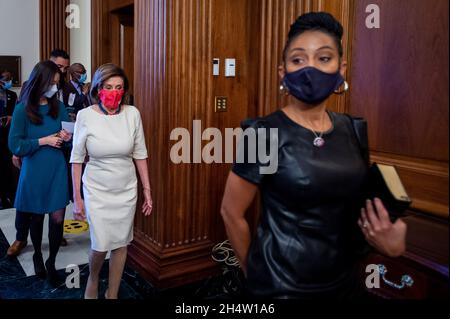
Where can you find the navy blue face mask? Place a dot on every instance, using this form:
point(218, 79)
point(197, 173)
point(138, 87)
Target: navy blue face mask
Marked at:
point(312, 86)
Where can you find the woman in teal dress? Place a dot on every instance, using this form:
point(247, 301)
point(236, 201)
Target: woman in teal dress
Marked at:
point(37, 138)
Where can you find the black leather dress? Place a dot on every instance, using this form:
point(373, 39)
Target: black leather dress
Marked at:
point(307, 241)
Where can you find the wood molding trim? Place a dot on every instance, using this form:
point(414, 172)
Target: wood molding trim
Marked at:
point(425, 180)
point(171, 268)
point(173, 55)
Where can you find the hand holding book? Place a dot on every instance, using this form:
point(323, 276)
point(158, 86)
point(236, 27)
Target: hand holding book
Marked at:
point(387, 200)
point(385, 183)
point(387, 237)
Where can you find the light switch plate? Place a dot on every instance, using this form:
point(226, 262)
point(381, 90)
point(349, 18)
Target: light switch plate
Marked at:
point(221, 104)
point(216, 67)
point(230, 68)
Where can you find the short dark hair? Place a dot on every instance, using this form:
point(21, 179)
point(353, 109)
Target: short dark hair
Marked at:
point(76, 68)
point(59, 53)
point(316, 21)
point(3, 72)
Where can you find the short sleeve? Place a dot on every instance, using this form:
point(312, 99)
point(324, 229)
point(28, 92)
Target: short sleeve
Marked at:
point(140, 150)
point(248, 164)
point(79, 140)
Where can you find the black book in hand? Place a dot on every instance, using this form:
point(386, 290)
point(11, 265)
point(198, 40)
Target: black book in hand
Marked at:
point(385, 183)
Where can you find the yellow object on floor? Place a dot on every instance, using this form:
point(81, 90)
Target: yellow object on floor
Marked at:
point(75, 226)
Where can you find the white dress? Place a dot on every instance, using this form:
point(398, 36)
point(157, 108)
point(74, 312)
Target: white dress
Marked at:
point(109, 180)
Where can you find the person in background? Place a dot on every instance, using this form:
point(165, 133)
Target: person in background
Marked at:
point(75, 98)
point(37, 137)
point(8, 101)
point(75, 92)
point(62, 60)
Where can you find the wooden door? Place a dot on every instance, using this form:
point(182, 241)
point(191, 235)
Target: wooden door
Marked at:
point(113, 35)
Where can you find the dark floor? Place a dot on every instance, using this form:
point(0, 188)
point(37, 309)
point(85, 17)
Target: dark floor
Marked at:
point(15, 285)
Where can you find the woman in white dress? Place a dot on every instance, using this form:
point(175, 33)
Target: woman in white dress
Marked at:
point(110, 133)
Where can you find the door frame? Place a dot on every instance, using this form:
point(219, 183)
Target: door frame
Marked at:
point(102, 21)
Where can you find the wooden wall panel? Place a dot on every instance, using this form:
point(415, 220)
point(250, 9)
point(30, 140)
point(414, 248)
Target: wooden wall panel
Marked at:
point(235, 30)
point(173, 88)
point(99, 38)
point(106, 24)
point(175, 42)
point(52, 27)
point(151, 98)
point(400, 85)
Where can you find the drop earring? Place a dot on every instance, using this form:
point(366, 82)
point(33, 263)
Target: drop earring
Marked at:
point(283, 90)
point(346, 88)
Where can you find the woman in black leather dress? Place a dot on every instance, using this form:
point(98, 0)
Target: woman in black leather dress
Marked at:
point(314, 220)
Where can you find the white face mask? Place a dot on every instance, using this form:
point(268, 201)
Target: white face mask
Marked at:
point(52, 91)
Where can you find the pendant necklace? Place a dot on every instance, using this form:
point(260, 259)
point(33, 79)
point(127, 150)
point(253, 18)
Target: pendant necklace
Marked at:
point(318, 140)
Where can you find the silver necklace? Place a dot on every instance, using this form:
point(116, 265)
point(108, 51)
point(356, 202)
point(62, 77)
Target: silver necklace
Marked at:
point(319, 140)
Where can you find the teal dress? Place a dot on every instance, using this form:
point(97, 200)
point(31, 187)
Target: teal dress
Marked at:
point(43, 184)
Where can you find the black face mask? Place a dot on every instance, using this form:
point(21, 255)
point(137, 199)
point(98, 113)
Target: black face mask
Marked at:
point(312, 86)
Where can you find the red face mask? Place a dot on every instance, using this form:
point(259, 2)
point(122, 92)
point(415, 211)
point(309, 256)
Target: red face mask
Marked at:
point(111, 98)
